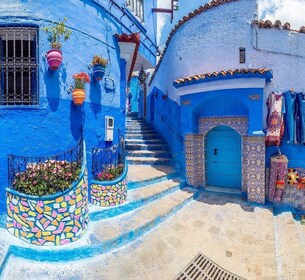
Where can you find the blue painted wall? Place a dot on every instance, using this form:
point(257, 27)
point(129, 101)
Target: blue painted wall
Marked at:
point(167, 121)
point(174, 121)
point(56, 124)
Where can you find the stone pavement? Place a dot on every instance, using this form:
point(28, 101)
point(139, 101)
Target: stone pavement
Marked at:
point(241, 238)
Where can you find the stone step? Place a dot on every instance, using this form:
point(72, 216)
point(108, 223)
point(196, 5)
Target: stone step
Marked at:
point(137, 198)
point(145, 141)
point(148, 160)
point(149, 147)
point(142, 136)
point(140, 130)
point(141, 175)
point(144, 153)
point(137, 222)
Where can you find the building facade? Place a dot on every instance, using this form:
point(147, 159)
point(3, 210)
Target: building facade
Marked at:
point(37, 115)
point(208, 96)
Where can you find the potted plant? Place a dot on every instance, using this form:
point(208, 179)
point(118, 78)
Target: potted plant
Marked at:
point(57, 34)
point(98, 64)
point(78, 93)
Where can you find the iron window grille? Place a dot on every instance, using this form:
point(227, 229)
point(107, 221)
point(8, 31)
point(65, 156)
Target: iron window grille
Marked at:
point(242, 55)
point(137, 7)
point(18, 65)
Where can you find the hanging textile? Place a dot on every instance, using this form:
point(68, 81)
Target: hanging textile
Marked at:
point(275, 123)
point(278, 172)
point(300, 125)
point(290, 116)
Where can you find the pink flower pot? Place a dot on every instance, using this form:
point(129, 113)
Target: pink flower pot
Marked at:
point(54, 58)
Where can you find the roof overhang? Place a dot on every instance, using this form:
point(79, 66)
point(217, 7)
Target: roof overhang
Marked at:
point(129, 46)
point(261, 73)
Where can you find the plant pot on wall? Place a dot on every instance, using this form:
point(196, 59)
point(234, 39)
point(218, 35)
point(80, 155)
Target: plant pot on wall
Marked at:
point(78, 96)
point(54, 58)
point(98, 71)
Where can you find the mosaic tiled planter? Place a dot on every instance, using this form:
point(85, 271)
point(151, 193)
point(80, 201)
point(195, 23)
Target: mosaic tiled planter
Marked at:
point(51, 220)
point(109, 193)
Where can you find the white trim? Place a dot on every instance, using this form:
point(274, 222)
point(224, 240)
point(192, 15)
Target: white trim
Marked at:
point(235, 83)
point(127, 50)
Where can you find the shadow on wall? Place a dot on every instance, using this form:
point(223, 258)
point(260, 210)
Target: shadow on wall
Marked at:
point(95, 96)
point(51, 79)
point(77, 116)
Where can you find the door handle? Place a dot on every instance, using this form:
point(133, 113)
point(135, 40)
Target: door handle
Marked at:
point(215, 152)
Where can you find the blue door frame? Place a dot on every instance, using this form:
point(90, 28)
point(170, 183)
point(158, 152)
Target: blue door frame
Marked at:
point(223, 158)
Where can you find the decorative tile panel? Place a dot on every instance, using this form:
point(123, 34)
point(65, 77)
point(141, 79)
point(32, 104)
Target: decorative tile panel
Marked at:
point(57, 221)
point(106, 194)
point(238, 123)
point(253, 168)
point(253, 155)
point(194, 158)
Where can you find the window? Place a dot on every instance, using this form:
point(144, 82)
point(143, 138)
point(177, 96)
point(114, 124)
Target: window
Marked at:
point(137, 7)
point(18, 65)
point(242, 55)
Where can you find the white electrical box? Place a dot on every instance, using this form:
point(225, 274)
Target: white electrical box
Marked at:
point(109, 128)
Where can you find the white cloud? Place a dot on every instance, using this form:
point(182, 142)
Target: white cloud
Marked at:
point(291, 11)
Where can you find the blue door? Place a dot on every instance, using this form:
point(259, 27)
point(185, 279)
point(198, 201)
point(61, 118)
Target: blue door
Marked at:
point(223, 158)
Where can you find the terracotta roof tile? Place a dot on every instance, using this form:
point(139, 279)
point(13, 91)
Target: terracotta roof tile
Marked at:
point(196, 12)
point(277, 24)
point(224, 73)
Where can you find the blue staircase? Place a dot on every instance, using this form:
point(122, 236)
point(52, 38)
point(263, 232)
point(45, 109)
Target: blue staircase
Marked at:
point(144, 146)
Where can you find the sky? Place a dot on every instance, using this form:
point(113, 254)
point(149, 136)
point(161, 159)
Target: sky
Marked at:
point(292, 11)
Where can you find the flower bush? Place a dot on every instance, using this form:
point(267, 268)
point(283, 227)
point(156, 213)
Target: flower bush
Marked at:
point(45, 178)
point(58, 33)
point(110, 172)
point(80, 79)
point(98, 60)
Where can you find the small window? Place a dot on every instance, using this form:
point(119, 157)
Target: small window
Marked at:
point(137, 7)
point(18, 65)
point(242, 55)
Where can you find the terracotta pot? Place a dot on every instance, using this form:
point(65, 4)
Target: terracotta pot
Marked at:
point(54, 58)
point(78, 96)
point(98, 71)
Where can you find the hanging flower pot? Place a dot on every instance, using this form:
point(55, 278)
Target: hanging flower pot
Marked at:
point(98, 71)
point(99, 65)
point(78, 96)
point(54, 58)
point(78, 93)
point(57, 34)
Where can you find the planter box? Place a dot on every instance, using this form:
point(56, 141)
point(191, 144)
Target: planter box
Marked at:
point(51, 220)
point(109, 193)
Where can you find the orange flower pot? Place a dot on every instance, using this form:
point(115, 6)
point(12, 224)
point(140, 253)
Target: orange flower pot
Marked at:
point(78, 96)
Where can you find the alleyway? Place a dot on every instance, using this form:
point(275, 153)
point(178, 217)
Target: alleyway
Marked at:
point(246, 240)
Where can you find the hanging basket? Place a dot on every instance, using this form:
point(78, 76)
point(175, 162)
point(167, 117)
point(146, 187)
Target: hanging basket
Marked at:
point(78, 96)
point(54, 58)
point(98, 71)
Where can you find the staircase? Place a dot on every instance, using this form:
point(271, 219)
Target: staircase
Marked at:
point(144, 146)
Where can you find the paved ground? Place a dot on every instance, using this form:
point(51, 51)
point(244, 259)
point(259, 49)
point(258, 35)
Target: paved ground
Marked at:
point(246, 240)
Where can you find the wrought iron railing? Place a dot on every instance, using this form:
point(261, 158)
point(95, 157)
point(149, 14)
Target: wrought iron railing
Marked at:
point(69, 162)
point(109, 162)
point(137, 7)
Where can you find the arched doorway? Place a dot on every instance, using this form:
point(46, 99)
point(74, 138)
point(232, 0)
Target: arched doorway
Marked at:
point(223, 158)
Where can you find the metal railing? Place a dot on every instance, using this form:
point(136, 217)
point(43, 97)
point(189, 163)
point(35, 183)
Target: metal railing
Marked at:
point(109, 161)
point(137, 7)
point(46, 169)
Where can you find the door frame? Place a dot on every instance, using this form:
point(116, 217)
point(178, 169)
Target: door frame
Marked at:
point(230, 129)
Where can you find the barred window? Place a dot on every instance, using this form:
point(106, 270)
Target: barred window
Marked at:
point(137, 7)
point(18, 65)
